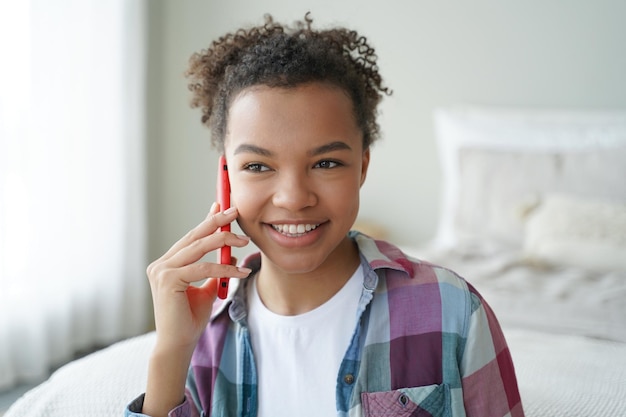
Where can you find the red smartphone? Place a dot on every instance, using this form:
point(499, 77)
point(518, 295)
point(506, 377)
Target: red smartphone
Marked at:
point(223, 198)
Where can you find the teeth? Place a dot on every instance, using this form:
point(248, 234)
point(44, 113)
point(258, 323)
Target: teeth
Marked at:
point(294, 229)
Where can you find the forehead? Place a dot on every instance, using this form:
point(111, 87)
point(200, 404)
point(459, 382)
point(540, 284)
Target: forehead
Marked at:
point(307, 114)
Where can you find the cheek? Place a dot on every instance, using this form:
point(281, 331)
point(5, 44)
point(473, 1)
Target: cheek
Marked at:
point(241, 199)
point(345, 196)
point(247, 198)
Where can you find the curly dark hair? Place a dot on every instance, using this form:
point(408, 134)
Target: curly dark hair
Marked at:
point(277, 55)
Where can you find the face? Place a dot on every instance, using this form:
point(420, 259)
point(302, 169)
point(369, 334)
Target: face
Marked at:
point(296, 164)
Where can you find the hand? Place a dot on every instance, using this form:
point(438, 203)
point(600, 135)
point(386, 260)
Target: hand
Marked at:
point(182, 310)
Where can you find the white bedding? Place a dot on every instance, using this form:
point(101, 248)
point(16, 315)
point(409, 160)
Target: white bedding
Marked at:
point(567, 375)
point(98, 385)
point(540, 296)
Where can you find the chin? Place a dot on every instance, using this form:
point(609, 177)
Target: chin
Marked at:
point(293, 263)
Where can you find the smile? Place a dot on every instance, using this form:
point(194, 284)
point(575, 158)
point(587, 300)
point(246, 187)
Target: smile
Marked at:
point(294, 229)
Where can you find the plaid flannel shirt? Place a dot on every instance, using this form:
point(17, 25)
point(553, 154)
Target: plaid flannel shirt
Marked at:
point(425, 344)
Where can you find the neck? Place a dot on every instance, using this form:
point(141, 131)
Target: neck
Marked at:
point(291, 294)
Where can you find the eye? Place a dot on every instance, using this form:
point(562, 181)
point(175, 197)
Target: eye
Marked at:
point(327, 164)
point(255, 167)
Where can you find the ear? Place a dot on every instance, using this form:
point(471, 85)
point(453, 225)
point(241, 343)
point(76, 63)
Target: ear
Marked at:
point(364, 165)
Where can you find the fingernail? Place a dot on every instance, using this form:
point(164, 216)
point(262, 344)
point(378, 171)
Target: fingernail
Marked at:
point(244, 270)
point(244, 237)
point(213, 206)
point(230, 210)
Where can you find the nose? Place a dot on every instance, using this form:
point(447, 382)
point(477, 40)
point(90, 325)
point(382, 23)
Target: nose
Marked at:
point(294, 191)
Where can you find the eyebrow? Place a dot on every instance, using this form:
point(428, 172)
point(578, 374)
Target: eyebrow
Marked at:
point(253, 149)
point(329, 147)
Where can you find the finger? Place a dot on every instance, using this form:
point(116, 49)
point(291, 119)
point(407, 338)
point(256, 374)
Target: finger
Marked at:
point(199, 248)
point(209, 225)
point(178, 280)
point(203, 270)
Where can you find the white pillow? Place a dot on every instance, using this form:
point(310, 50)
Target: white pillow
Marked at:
point(565, 230)
point(496, 186)
point(477, 137)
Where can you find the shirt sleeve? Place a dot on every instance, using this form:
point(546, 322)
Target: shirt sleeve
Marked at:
point(134, 409)
point(488, 375)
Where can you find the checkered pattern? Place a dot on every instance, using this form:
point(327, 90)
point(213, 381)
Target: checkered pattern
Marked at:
point(426, 344)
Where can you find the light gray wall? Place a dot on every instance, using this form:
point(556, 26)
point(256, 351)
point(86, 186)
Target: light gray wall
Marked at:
point(537, 53)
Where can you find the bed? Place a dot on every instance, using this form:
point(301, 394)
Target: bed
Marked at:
point(534, 215)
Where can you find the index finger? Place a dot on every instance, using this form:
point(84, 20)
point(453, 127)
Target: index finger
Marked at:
point(209, 225)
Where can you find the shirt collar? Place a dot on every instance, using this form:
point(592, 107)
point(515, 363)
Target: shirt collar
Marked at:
point(375, 255)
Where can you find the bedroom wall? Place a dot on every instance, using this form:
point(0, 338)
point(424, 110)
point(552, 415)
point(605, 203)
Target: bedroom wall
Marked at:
point(532, 53)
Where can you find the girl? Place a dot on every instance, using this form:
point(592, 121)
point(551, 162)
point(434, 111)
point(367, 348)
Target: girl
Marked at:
point(328, 321)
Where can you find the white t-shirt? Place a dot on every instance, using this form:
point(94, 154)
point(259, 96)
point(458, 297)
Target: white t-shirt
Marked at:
point(298, 357)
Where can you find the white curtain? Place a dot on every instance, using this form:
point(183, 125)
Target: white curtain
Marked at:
point(72, 199)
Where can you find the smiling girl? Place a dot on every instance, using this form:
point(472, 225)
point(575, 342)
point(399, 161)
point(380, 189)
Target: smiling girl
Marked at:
point(327, 322)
